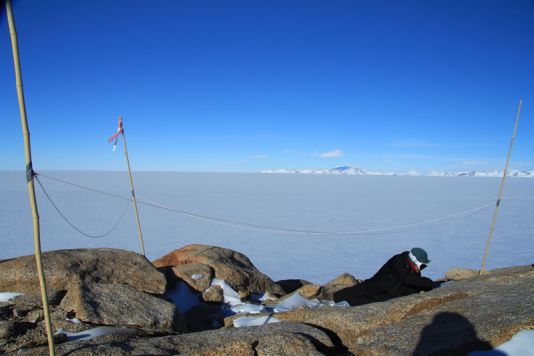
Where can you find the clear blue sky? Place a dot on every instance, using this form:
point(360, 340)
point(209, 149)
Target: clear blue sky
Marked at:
point(252, 85)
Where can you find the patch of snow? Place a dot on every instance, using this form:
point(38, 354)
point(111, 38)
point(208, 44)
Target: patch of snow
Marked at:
point(262, 297)
point(73, 320)
point(248, 308)
point(520, 344)
point(410, 173)
point(6, 296)
point(198, 276)
point(279, 171)
point(184, 297)
point(294, 302)
point(342, 304)
point(95, 332)
point(254, 320)
point(230, 295)
point(494, 173)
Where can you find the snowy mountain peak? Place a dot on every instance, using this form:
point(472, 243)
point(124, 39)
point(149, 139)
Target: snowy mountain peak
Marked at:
point(494, 173)
point(341, 170)
point(356, 171)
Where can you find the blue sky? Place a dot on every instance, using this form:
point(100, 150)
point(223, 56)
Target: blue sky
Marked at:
point(242, 86)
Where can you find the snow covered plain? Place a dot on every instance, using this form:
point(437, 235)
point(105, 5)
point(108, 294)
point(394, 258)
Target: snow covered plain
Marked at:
point(305, 202)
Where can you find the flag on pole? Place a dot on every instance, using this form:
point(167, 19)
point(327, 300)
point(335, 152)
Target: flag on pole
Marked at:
point(115, 136)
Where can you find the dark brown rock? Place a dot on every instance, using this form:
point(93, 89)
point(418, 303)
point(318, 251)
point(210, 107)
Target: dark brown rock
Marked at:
point(344, 280)
point(7, 329)
point(204, 317)
point(291, 285)
point(213, 294)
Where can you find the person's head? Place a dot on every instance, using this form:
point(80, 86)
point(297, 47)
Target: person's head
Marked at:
point(419, 257)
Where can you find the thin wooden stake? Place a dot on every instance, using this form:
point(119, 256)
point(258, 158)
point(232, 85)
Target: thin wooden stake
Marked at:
point(501, 189)
point(30, 175)
point(133, 193)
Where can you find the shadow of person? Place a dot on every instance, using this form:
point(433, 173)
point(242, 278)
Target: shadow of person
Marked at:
point(450, 334)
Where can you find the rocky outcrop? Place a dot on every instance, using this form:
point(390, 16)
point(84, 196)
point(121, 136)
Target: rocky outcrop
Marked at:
point(460, 316)
point(236, 269)
point(464, 315)
point(97, 286)
point(63, 267)
point(271, 339)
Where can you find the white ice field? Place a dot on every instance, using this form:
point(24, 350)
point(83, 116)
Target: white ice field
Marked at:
point(295, 202)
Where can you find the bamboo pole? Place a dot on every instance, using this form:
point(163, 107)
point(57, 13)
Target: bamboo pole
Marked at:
point(133, 192)
point(501, 190)
point(30, 175)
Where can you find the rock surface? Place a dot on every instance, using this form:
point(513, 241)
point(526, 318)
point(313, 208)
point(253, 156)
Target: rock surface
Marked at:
point(99, 286)
point(457, 274)
point(213, 294)
point(233, 267)
point(124, 306)
point(291, 285)
point(197, 275)
point(344, 280)
point(461, 316)
point(271, 339)
point(19, 326)
point(63, 267)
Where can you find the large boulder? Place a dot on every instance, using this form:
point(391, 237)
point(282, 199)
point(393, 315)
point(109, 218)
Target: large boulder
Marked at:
point(459, 317)
point(99, 286)
point(63, 267)
point(271, 339)
point(124, 306)
point(233, 267)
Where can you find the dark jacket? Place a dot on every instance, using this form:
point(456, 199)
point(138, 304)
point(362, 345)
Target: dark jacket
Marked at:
point(396, 278)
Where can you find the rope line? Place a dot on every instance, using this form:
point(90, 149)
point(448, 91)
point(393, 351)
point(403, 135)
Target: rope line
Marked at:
point(313, 232)
point(83, 187)
point(74, 226)
point(258, 227)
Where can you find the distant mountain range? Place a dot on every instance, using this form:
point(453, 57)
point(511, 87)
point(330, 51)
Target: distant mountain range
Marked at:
point(355, 171)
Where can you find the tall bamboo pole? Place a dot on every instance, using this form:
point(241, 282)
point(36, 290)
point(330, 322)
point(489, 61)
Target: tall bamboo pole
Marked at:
point(501, 190)
point(30, 175)
point(133, 192)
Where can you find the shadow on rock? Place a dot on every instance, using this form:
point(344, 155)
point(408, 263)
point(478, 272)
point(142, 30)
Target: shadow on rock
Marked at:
point(338, 347)
point(450, 333)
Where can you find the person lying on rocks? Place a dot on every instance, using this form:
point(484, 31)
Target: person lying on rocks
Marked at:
point(401, 275)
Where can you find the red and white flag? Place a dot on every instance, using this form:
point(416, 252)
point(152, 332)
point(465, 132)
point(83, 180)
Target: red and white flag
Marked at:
point(115, 136)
